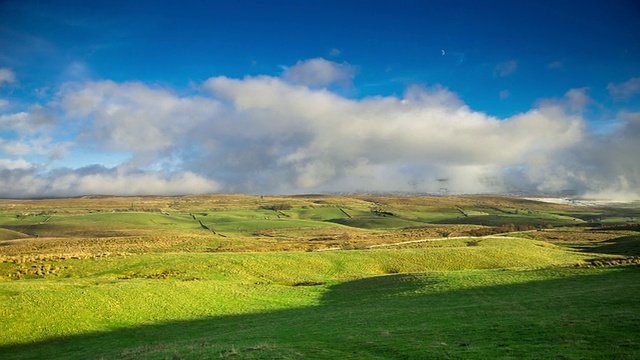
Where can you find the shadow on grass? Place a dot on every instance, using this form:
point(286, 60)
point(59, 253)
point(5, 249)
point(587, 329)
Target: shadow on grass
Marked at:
point(577, 313)
point(626, 245)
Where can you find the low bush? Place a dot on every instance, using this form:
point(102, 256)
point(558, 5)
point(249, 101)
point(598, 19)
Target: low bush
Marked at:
point(276, 207)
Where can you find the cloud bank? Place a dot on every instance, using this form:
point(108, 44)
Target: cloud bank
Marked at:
point(293, 134)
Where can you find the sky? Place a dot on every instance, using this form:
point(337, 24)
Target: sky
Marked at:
point(532, 98)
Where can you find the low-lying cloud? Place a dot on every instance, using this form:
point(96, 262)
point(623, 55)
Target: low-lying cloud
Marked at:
point(293, 134)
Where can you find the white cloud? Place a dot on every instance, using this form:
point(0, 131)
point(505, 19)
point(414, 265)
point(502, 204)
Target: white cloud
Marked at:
point(428, 128)
point(13, 121)
point(577, 99)
point(35, 120)
point(36, 145)
point(22, 183)
point(599, 166)
point(268, 134)
point(135, 117)
point(505, 68)
point(15, 147)
point(21, 179)
point(6, 76)
point(20, 164)
point(131, 184)
point(574, 101)
point(28, 133)
point(319, 72)
point(625, 90)
point(58, 151)
point(3, 103)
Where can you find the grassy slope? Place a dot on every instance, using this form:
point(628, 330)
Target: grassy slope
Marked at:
point(457, 298)
point(625, 245)
point(6, 234)
point(454, 254)
point(572, 313)
point(113, 292)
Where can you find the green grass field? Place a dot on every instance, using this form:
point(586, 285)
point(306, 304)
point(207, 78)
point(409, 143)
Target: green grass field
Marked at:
point(142, 278)
point(550, 313)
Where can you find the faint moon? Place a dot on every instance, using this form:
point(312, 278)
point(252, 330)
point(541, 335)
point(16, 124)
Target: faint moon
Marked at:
point(443, 52)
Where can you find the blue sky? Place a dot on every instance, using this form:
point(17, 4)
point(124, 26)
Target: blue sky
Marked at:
point(175, 97)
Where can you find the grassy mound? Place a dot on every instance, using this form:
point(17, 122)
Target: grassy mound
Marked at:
point(6, 234)
point(290, 267)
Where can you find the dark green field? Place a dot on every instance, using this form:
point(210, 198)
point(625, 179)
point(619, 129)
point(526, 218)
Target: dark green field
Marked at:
point(317, 277)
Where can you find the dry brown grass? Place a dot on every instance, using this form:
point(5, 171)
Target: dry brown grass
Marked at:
point(568, 236)
point(280, 239)
point(90, 245)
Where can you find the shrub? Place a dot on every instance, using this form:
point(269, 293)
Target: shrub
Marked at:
point(276, 207)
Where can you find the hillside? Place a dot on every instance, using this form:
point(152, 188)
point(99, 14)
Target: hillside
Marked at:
point(314, 276)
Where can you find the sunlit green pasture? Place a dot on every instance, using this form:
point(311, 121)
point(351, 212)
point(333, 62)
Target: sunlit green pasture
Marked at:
point(572, 313)
point(76, 296)
point(318, 277)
